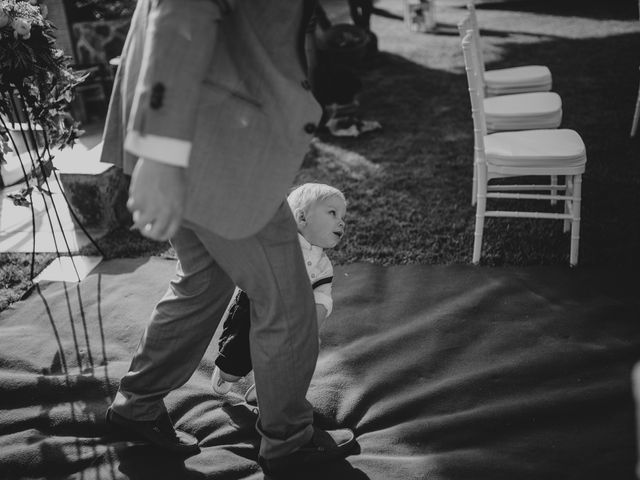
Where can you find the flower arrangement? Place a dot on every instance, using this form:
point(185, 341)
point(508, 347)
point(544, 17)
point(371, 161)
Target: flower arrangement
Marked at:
point(36, 80)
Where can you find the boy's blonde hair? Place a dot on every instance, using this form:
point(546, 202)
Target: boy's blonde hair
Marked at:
point(305, 195)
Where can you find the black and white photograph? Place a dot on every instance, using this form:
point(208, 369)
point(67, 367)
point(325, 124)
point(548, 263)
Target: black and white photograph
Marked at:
point(320, 239)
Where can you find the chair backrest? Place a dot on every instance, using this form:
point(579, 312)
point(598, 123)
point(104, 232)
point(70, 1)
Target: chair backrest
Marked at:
point(463, 27)
point(473, 19)
point(477, 108)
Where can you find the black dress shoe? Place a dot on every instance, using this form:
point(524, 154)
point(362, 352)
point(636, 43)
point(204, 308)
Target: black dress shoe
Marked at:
point(158, 432)
point(324, 446)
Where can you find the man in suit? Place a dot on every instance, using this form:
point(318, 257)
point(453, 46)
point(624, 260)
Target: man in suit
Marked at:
point(211, 115)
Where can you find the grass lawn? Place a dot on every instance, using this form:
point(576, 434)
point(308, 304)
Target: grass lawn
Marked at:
point(409, 185)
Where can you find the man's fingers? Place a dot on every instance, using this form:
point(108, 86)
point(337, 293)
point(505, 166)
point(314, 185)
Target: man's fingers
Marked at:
point(140, 219)
point(160, 228)
point(156, 230)
point(150, 225)
point(156, 226)
point(156, 198)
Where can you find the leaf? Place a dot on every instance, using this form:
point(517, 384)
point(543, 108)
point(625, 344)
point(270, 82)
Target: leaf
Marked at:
point(22, 198)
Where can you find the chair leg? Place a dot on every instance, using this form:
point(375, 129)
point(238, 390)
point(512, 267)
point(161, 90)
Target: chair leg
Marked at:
point(568, 192)
point(575, 221)
point(474, 185)
point(554, 183)
point(636, 116)
point(477, 238)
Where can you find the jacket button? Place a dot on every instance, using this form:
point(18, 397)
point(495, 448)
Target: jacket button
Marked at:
point(305, 84)
point(310, 127)
point(157, 96)
point(155, 102)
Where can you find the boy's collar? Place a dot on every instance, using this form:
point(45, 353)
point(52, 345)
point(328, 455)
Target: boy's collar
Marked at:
point(304, 243)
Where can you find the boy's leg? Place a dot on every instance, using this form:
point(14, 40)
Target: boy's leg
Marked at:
point(234, 356)
point(284, 346)
point(180, 330)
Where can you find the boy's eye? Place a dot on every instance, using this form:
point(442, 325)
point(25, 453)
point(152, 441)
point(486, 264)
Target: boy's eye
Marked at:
point(332, 212)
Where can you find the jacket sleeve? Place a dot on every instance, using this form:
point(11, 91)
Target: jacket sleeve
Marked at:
point(178, 48)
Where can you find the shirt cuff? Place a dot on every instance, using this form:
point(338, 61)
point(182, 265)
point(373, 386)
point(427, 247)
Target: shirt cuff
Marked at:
point(161, 149)
point(324, 300)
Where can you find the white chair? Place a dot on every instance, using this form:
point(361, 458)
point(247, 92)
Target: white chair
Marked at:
point(522, 111)
point(504, 81)
point(535, 153)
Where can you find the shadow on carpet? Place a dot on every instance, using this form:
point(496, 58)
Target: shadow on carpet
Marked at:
point(444, 372)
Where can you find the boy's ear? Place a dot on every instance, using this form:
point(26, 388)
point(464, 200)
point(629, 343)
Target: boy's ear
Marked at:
point(299, 216)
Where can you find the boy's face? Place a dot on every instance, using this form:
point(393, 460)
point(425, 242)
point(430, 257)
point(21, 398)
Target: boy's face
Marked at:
point(323, 225)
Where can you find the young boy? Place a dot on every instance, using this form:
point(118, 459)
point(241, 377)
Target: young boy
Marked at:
point(319, 212)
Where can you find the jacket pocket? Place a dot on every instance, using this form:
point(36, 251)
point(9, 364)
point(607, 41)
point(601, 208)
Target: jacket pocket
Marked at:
point(214, 93)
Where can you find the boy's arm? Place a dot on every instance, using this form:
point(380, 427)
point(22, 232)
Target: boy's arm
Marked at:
point(322, 295)
point(322, 290)
point(321, 313)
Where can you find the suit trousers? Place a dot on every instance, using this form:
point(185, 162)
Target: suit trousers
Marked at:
point(269, 267)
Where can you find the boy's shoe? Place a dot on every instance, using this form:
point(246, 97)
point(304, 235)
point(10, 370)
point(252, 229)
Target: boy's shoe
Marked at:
point(324, 446)
point(159, 432)
point(220, 385)
point(251, 397)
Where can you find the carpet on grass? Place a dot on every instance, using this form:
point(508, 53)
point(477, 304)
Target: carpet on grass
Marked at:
point(444, 372)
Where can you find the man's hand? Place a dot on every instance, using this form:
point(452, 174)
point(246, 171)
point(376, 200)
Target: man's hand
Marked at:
point(157, 198)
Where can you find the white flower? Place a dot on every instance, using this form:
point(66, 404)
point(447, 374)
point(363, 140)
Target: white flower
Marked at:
point(21, 28)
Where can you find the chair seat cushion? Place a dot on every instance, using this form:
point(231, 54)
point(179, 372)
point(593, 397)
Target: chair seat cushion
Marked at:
point(524, 75)
point(523, 105)
point(525, 111)
point(535, 148)
point(493, 90)
point(533, 124)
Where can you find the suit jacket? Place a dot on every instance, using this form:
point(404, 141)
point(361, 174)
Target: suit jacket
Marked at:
point(228, 79)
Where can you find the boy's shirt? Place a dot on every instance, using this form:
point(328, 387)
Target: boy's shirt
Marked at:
point(320, 271)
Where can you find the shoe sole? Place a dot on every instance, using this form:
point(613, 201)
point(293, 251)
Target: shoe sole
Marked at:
point(125, 426)
point(221, 390)
point(219, 385)
point(315, 457)
point(250, 396)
